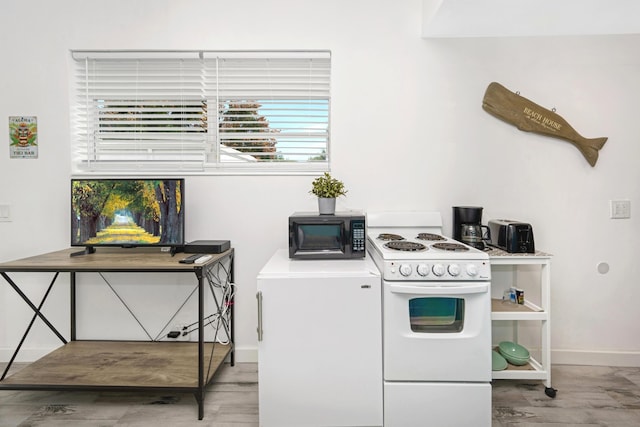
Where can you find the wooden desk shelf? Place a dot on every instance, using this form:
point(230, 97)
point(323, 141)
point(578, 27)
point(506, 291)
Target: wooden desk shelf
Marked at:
point(119, 364)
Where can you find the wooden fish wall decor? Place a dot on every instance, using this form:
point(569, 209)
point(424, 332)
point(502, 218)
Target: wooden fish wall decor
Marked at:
point(530, 117)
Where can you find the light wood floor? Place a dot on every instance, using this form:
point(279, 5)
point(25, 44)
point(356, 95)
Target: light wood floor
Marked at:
point(587, 396)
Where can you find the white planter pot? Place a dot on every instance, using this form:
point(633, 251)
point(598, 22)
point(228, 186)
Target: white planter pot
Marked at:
point(327, 206)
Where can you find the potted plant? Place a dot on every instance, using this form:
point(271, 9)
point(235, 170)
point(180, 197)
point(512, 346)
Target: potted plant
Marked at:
point(327, 189)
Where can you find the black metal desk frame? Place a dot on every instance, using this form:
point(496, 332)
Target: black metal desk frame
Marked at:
point(151, 262)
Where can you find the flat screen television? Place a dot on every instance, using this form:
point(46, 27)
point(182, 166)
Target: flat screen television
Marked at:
point(127, 212)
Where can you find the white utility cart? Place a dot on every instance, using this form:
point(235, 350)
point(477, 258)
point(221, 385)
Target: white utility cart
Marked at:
point(532, 274)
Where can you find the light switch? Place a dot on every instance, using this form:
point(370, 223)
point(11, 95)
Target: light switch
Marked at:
point(5, 213)
point(620, 209)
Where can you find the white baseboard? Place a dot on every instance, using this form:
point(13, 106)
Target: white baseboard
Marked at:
point(595, 358)
point(28, 355)
point(246, 355)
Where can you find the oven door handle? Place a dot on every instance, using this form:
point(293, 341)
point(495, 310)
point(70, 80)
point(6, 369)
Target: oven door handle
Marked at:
point(440, 290)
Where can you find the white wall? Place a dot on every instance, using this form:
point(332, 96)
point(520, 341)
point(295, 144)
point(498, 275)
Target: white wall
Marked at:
point(408, 133)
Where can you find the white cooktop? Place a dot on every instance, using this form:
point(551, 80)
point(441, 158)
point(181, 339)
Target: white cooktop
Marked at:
point(409, 225)
point(430, 252)
point(429, 263)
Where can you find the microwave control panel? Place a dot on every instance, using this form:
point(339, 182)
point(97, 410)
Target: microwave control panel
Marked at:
point(358, 236)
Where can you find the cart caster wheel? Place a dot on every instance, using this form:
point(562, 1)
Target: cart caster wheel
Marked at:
point(550, 391)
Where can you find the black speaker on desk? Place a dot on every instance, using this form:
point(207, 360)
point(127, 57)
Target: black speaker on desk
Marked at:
point(207, 246)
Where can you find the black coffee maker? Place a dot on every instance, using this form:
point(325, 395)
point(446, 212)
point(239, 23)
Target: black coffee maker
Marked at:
point(468, 228)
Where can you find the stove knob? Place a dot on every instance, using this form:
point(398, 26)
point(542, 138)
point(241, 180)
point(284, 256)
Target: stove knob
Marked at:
point(405, 269)
point(438, 269)
point(472, 270)
point(423, 270)
point(453, 269)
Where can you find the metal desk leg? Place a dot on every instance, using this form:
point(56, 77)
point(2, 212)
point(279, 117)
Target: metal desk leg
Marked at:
point(201, 382)
point(72, 308)
point(232, 314)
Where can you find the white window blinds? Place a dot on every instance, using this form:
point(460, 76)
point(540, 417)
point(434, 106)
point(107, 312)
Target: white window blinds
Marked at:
point(201, 112)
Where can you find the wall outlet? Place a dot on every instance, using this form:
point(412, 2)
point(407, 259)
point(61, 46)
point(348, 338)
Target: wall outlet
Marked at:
point(620, 209)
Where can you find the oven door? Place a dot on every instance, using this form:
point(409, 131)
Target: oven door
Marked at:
point(437, 331)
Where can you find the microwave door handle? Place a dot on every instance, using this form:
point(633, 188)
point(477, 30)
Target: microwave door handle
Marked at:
point(346, 236)
point(440, 290)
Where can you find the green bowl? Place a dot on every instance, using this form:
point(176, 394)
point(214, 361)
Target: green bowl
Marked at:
point(498, 363)
point(514, 353)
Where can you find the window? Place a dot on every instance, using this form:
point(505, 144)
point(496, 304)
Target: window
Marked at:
point(201, 112)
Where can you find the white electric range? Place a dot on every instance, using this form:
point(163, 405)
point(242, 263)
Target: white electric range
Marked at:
point(436, 322)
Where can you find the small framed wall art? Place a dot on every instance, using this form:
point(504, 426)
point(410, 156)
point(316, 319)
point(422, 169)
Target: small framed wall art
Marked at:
point(23, 136)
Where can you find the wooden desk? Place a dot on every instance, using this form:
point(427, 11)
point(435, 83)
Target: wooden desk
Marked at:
point(121, 365)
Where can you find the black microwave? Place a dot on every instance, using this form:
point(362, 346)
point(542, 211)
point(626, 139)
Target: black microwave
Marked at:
point(339, 236)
